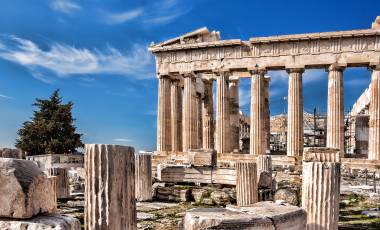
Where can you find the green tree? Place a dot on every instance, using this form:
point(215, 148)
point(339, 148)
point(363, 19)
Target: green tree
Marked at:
point(51, 130)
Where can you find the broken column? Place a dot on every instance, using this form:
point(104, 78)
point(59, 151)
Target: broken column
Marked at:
point(234, 113)
point(264, 164)
point(257, 131)
point(321, 187)
point(223, 126)
point(62, 181)
point(295, 113)
point(110, 187)
point(335, 109)
point(246, 183)
point(374, 116)
point(143, 169)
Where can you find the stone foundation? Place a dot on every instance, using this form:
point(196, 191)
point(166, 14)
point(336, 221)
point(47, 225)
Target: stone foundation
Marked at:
point(260, 216)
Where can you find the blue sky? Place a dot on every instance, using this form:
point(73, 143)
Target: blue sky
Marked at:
point(96, 53)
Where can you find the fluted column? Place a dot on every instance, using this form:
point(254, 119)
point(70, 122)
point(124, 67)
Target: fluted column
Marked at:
point(207, 115)
point(267, 113)
point(264, 164)
point(176, 116)
point(335, 110)
point(223, 126)
point(234, 115)
point(374, 116)
point(143, 176)
point(199, 121)
point(246, 183)
point(257, 130)
point(109, 187)
point(321, 188)
point(62, 181)
point(163, 114)
point(295, 113)
point(189, 132)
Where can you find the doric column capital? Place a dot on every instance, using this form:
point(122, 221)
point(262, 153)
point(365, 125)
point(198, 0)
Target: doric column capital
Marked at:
point(374, 66)
point(222, 72)
point(187, 74)
point(234, 80)
point(295, 70)
point(163, 76)
point(258, 71)
point(336, 67)
point(207, 81)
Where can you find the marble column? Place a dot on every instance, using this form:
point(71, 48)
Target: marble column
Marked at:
point(62, 181)
point(257, 130)
point(374, 116)
point(176, 116)
point(321, 188)
point(143, 177)
point(295, 113)
point(234, 115)
point(199, 121)
point(246, 183)
point(163, 114)
point(267, 113)
point(264, 164)
point(223, 125)
point(207, 115)
point(335, 109)
point(189, 114)
point(110, 187)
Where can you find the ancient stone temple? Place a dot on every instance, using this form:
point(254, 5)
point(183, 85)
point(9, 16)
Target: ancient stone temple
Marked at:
point(188, 65)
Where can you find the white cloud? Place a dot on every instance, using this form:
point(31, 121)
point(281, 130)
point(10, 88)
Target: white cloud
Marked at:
point(65, 60)
point(122, 140)
point(157, 13)
point(65, 6)
point(5, 96)
point(117, 18)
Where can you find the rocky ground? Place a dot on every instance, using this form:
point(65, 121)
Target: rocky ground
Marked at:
point(359, 206)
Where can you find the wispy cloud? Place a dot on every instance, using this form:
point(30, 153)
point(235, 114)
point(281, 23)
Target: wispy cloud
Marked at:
point(117, 18)
point(64, 6)
point(122, 140)
point(5, 97)
point(159, 13)
point(64, 60)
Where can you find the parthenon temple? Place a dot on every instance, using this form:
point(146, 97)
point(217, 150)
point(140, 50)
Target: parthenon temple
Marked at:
point(188, 65)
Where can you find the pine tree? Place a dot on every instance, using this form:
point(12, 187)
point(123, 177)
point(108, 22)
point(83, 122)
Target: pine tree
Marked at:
point(51, 130)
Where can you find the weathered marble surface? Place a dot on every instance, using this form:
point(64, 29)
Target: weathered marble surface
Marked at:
point(42, 222)
point(25, 190)
point(110, 187)
point(143, 176)
point(262, 215)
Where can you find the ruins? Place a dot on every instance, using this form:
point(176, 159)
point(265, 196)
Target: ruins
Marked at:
point(192, 62)
point(215, 168)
